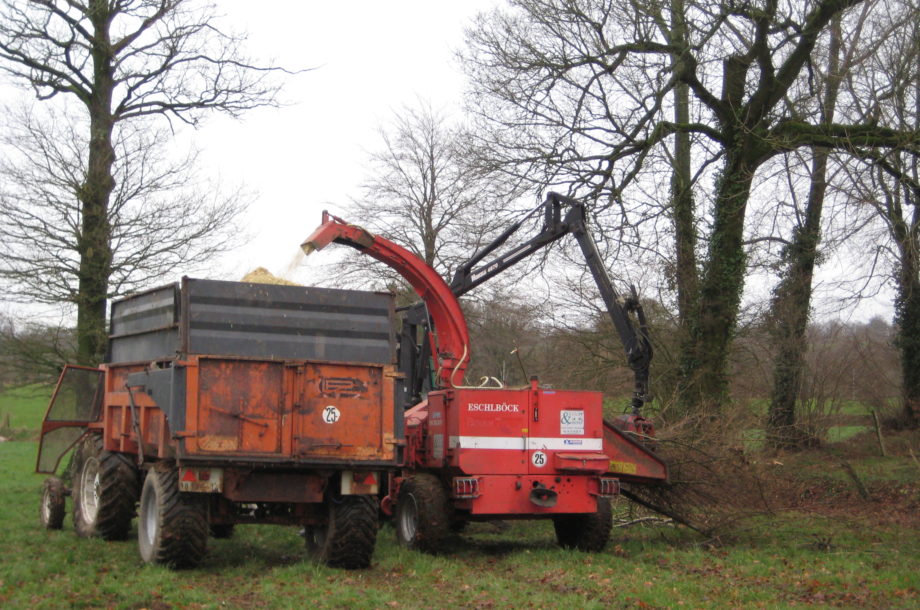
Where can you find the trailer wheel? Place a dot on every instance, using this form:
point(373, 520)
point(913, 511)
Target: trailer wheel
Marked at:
point(52, 506)
point(172, 527)
point(348, 537)
point(586, 532)
point(422, 513)
point(104, 492)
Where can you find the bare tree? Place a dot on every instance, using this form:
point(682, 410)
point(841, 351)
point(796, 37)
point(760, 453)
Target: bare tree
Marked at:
point(161, 214)
point(120, 63)
point(421, 192)
point(577, 93)
point(33, 352)
point(886, 90)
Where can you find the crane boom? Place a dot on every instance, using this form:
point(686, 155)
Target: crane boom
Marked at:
point(446, 337)
point(633, 335)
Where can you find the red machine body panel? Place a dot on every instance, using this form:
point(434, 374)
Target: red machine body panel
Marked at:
point(629, 460)
point(487, 430)
point(509, 495)
point(513, 431)
point(563, 422)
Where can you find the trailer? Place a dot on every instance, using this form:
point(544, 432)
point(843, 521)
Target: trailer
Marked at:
point(223, 403)
point(482, 453)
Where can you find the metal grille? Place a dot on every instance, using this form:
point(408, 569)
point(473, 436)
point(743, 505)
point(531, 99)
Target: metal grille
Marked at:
point(609, 487)
point(466, 487)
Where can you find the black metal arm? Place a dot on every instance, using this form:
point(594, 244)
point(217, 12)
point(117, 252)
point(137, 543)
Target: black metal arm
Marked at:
point(633, 335)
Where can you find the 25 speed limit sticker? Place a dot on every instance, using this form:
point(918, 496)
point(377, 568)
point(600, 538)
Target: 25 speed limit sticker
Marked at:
point(538, 459)
point(331, 414)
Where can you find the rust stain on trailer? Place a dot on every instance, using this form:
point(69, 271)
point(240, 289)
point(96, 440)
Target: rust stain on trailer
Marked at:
point(343, 412)
point(240, 403)
point(219, 443)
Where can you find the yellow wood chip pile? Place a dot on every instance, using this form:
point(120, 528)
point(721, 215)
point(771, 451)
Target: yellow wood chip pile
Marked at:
point(261, 275)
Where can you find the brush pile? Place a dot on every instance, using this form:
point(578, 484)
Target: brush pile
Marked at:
point(713, 484)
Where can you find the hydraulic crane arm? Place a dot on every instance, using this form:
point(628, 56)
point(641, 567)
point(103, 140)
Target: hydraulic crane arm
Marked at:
point(633, 335)
point(450, 345)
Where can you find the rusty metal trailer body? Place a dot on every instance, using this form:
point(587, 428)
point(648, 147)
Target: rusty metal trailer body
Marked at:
point(254, 402)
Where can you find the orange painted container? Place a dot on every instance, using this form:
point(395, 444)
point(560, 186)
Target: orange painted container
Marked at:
point(242, 409)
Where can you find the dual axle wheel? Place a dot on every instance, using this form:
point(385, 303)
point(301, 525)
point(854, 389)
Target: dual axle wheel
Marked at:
point(104, 490)
point(173, 526)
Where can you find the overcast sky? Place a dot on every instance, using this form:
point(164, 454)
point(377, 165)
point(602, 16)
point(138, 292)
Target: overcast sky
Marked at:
point(370, 58)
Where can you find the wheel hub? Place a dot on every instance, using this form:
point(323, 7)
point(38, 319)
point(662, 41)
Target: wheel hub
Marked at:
point(408, 518)
point(89, 490)
point(149, 511)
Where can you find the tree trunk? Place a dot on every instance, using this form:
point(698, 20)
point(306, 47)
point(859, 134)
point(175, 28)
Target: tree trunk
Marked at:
point(792, 299)
point(908, 319)
point(789, 314)
point(907, 304)
point(686, 272)
point(94, 245)
point(704, 386)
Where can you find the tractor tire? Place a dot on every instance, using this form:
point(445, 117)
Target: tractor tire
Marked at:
point(586, 532)
point(347, 538)
point(104, 491)
point(172, 528)
point(52, 506)
point(221, 530)
point(423, 514)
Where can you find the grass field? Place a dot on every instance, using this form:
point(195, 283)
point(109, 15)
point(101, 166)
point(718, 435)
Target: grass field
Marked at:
point(807, 558)
point(23, 408)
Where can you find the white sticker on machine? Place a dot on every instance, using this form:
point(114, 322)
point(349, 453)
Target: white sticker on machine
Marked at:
point(572, 421)
point(538, 459)
point(331, 414)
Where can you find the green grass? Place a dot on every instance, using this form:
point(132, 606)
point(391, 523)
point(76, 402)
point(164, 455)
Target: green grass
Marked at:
point(25, 406)
point(783, 561)
point(837, 434)
point(760, 406)
point(789, 560)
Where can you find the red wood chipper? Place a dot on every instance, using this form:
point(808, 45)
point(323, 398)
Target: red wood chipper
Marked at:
point(483, 453)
